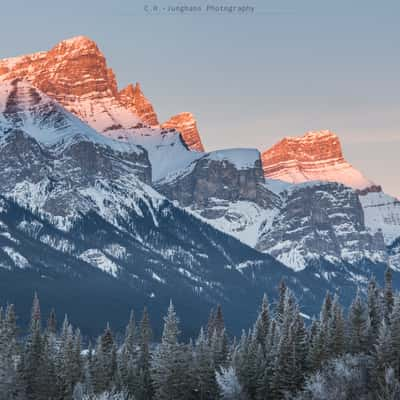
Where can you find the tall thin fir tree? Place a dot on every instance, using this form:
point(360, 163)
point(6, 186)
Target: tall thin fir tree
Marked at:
point(388, 294)
point(204, 369)
point(395, 336)
point(336, 330)
point(145, 390)
point(383, 355)
point(170, 369)
point(128, 357)
point(374, 310)
point(358, 326)
point(262, 324)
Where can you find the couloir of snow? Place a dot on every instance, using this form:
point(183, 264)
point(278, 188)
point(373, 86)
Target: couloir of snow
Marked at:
point(382, 212)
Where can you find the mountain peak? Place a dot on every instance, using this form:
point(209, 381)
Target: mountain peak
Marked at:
point(185, 123)
point(317, 155)
point(132, 98)
point(77, 42)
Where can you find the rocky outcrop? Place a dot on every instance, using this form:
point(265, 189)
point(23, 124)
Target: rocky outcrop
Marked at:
point(75, 74)
point(212, 177)
point(321, 221)
point(382, 213)
point(72, 69)
point(312, 157)
point(227, 189)
point(186, 124)
point(133, 99)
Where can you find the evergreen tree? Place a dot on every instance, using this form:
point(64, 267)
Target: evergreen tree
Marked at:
point(395, 333)
point(262, 325)
point(145, 390)
point(336, 330)
point(104, 364)
point(388, 294)
point(382, 355)
point(374, 310)
point(316, 350)
point(34, 382)
point(206, 384)
point(358, 326)
point(171, 371)
point(128, 359)
point(280, 308)
point(8, 351)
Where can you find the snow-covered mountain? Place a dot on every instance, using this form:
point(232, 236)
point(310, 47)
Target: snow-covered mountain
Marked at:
point(79, 220)
point(321, 220)
point(89, 175)
point(75, 74)
point(316, 156)
point(75, 204)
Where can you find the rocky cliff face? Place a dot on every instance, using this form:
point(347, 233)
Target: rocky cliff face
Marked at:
point(218, 175)
point(227, 189)
point(75, 74)
point(312, 157)
point(133, 99)
point(60, 160)
point(382, 213)
point(186, 124)
point(72, 69)
point(321, 221)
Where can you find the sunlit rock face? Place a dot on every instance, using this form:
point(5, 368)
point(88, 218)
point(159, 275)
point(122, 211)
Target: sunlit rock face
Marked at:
point(75, 74)
point(73, 68)
point(316, 156)
point(133, 98)
point(186, 124)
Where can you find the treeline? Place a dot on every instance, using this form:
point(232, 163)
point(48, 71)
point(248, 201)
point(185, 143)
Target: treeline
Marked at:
point(336, 356)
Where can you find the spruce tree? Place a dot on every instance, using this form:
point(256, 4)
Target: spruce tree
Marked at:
point(382, 355)
point(388, 294)
point(374, 310)
point(171, 371)
point(280, 308)
point(262, 325)
point(8, 353)
point(336, 330)
point(145, 389)
point(204, 370)
point(395, 336)
point(104, 365)
point(128, 357)
point(358, 326)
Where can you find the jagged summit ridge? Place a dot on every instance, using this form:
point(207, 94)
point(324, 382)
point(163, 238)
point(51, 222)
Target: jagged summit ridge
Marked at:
point(75, 74)
point(316, 156)
point(133, 99)
point(186, 124)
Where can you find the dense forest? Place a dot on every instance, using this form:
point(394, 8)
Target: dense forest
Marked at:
point(352, 355)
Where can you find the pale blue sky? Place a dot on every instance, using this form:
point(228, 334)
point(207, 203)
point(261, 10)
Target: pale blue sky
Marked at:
point(290, 67)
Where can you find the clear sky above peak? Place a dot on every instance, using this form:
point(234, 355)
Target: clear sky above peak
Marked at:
point(250, 78)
